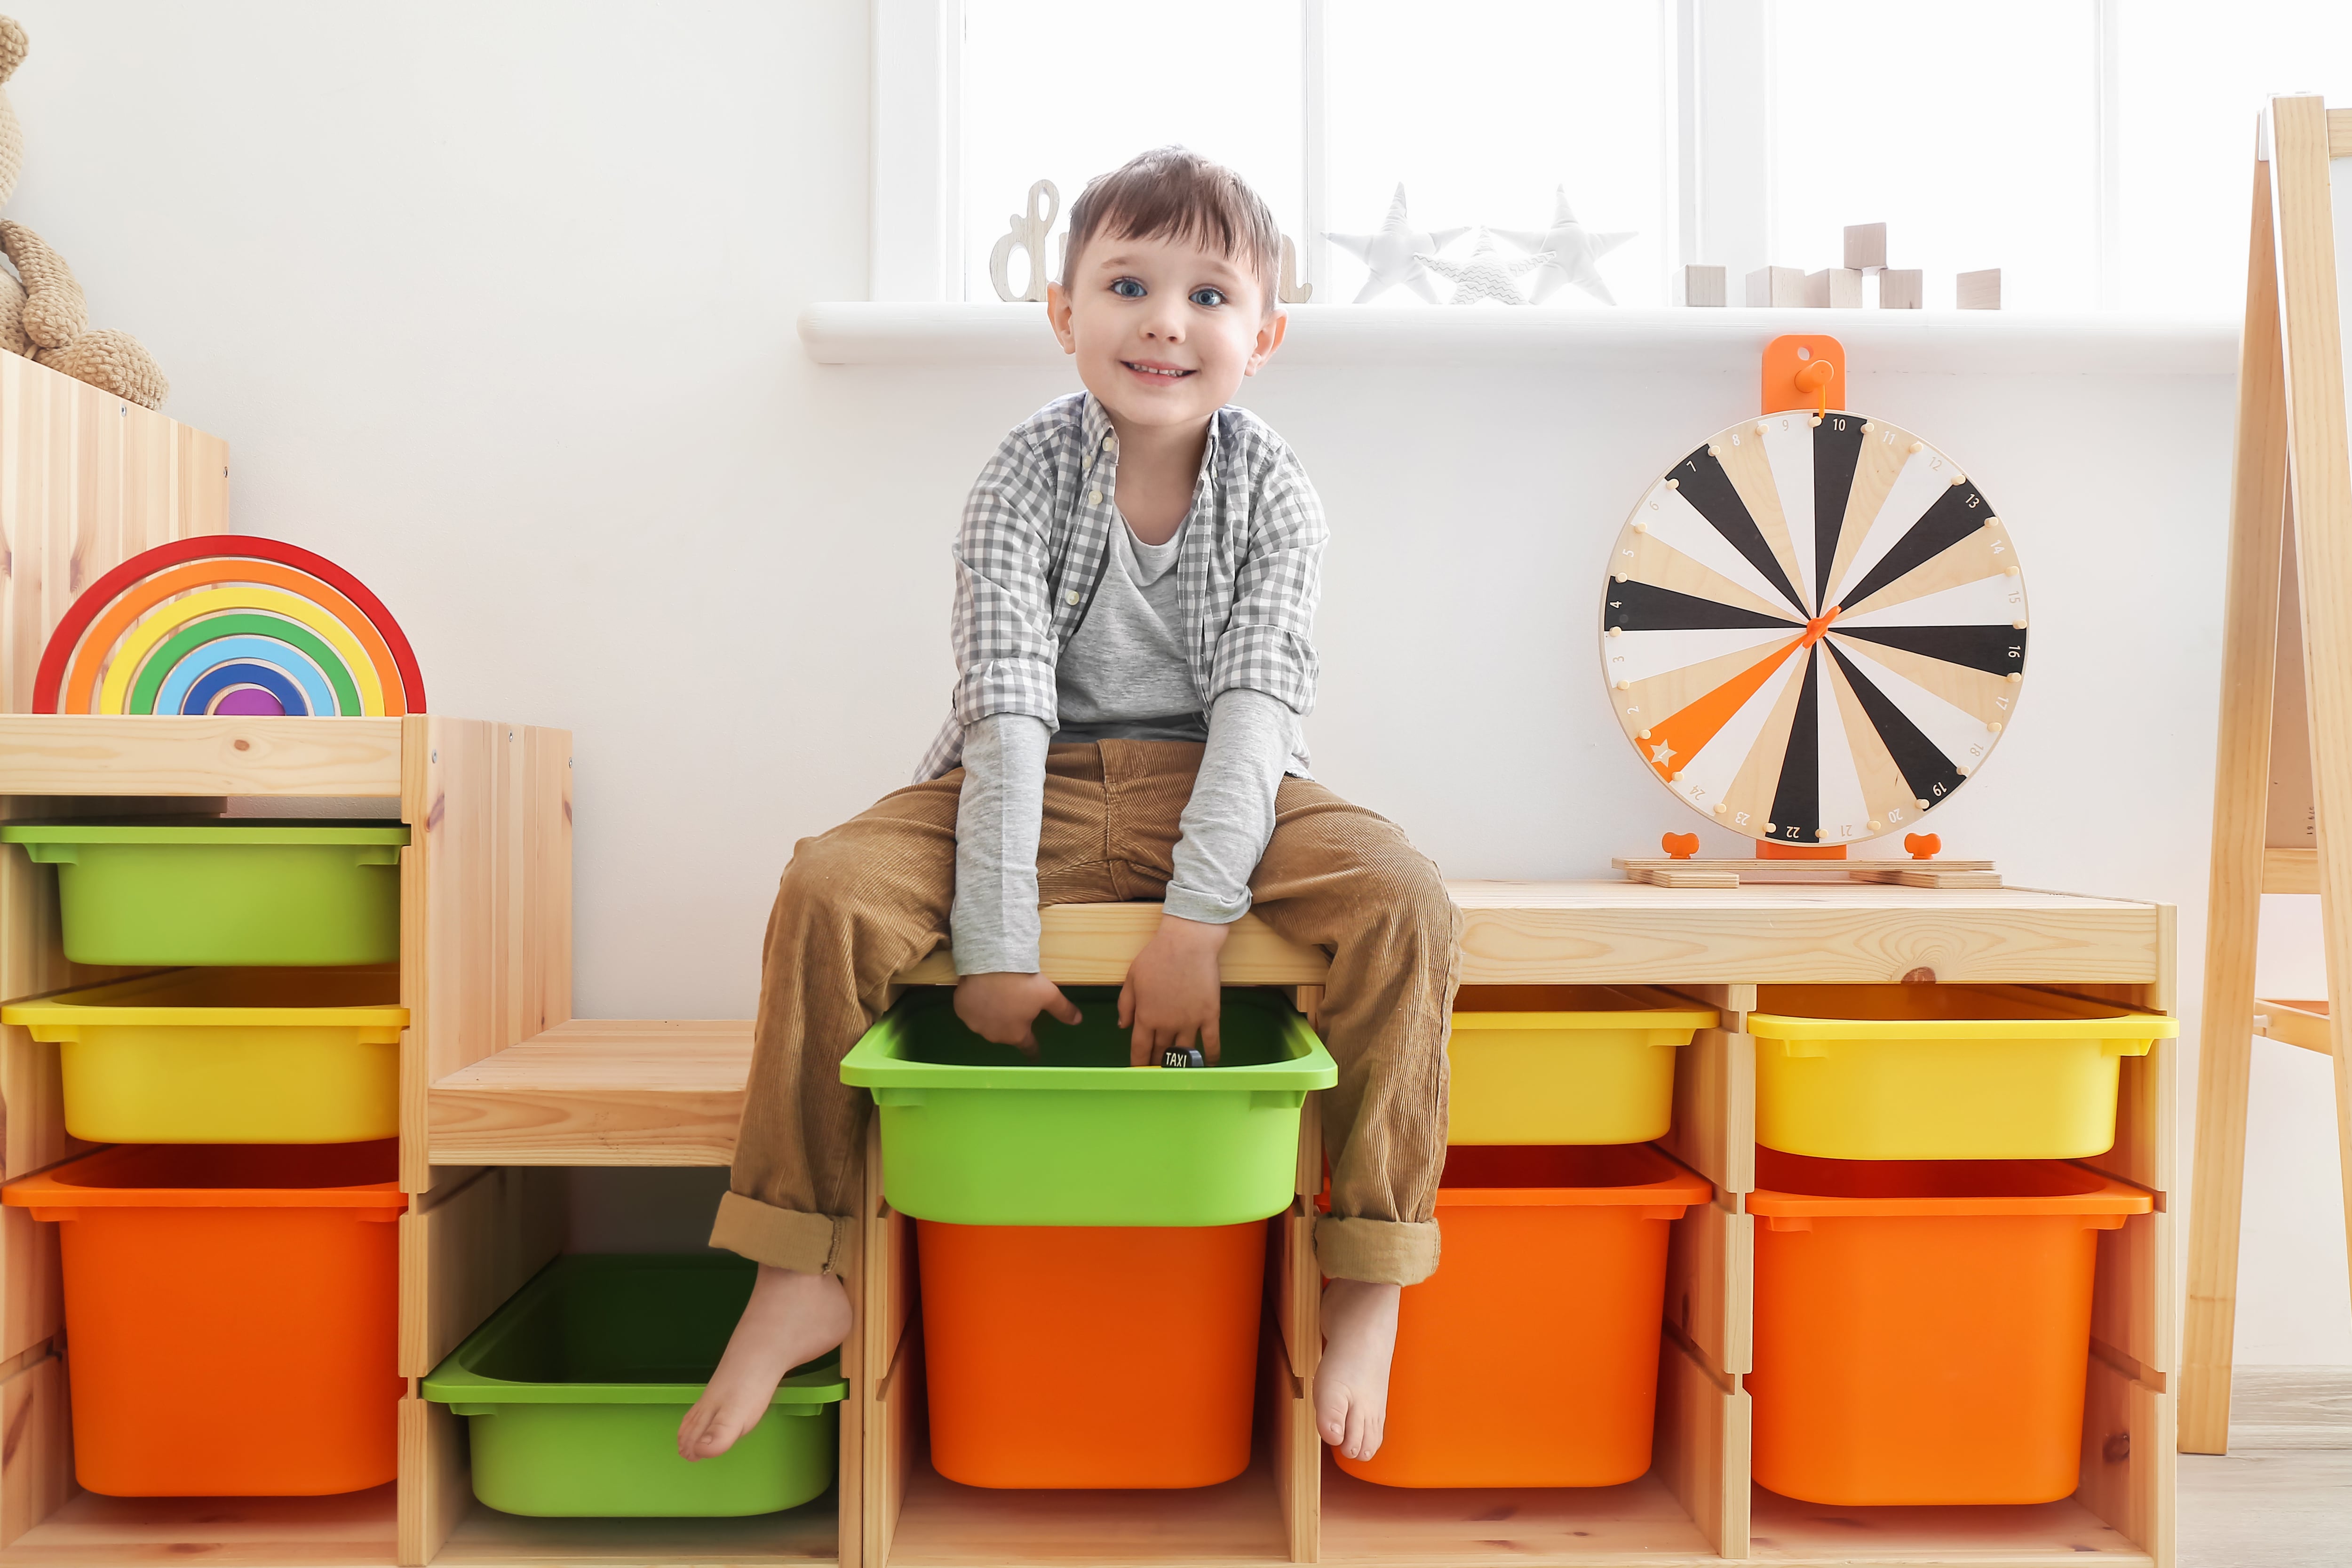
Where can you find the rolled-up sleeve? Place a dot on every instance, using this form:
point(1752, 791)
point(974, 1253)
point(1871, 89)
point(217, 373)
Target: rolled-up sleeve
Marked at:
point(1267, 643)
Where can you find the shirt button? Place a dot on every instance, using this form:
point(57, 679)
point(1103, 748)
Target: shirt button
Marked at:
point(1072, 595)
point(1093, 498)
point(1108, 442)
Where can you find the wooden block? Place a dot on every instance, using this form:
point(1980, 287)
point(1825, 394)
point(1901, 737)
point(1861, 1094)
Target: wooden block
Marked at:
point(474, 1247)
point(1701, 1450)
point(2127, 1459)
point(2302, 1022)
point(52, 754)
point(1681, 876)
point(1714, 1130)
point(1711, 1282)
point(1908, 874)
point(598, 1092)
point(2134, 1310)
point(1092, 944)
point(1866, 246)
point(1978, 290)
point(1839, 287)
point(436, 1491)
point(1775, 285)
point(1695, 285)
point(1902, 288)
point(36, 1462)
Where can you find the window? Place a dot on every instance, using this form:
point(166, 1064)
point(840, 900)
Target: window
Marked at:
point(2096, 152)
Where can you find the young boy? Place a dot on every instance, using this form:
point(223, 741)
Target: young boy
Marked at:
point(1137, 577)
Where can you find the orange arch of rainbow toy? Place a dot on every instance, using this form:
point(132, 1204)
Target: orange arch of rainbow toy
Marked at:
point(114, 606)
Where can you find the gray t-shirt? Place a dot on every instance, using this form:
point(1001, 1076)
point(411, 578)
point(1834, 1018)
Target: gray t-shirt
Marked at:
point(1122, 675)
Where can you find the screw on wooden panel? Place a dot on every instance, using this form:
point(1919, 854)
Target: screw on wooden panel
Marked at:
point(1923, 975)
point(2118, 1447)
point(433, 757)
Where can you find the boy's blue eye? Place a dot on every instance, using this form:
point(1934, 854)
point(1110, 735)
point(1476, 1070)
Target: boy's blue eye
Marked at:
point(1205, 296)
point(1128, 288)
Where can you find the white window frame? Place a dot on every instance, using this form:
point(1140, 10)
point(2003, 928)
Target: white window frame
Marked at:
point(1717, 143)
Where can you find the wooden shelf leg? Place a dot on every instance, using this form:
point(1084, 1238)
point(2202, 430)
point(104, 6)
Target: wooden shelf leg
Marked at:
point(2235, 894)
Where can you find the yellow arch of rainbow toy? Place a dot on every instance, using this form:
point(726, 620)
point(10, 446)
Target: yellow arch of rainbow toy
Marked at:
point(212, 600)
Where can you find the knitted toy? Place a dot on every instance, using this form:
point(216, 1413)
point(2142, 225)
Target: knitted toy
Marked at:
point(43, 314)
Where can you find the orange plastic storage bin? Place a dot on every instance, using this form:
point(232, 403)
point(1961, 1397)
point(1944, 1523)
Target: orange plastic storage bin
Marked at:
point(1922, 1327)
point(1085, 1356)
point(234, 1313)
point(1530, 1358)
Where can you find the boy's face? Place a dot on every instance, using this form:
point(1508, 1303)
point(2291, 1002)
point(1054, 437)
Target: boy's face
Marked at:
point(1163, 329)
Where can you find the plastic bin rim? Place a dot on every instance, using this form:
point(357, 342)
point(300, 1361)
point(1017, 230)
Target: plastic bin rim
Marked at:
point(253, 831)
point(2111, 1196)
point(49, 1189)
point(873, 1064)
point(2066, 1018)
point(1682, 1187)
point(1662, 1020)
point(113, 1002)
point(455, 1383)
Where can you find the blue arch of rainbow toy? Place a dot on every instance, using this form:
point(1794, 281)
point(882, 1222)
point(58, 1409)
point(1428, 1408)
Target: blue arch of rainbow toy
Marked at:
point(320, 696)
point(222, 678)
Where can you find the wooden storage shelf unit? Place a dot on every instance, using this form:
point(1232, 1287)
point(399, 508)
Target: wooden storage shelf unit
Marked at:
point(486, 945)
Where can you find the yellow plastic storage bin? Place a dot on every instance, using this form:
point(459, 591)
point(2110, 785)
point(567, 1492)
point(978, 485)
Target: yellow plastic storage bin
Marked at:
point(1940, 1073)
point(1566, 1064)
point(229, 1056)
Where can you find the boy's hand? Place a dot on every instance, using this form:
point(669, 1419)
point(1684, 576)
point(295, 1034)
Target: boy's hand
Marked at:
point(1171, 991)
point(1003, 1008)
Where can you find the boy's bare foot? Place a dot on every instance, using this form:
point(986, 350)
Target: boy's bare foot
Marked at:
point(791, 1318)
point(1351, 1384)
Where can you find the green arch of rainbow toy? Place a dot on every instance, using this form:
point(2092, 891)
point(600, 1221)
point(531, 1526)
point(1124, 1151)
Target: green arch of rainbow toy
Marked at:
point(229, 624)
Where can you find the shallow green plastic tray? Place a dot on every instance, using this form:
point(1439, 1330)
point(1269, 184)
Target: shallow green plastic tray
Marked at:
point(250, 892)
point(978, 1134)
point(573, 1391)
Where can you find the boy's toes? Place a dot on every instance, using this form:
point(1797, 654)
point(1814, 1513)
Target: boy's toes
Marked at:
point(1331, 1412)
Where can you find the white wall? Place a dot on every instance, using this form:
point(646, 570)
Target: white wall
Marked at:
point(495, 306)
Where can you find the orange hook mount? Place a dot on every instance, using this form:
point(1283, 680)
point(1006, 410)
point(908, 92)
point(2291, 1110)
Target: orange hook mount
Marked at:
point(1679, 845)
point(1804, 369)
point(1923, 845)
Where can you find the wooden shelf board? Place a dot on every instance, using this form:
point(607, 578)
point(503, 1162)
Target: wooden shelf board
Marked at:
point(2295, 1023)
point(262, 1532)
point(50, 753)
point(1618, 931)
point(2043, 1535)
point(804, 1534)
point(1637, 1523)
point(944, 1525)
point(597, 1092)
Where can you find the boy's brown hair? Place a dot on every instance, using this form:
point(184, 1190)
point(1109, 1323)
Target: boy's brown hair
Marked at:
point(1175, 192)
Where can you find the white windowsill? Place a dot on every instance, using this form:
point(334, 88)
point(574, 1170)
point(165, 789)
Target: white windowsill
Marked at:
point(1932, 341)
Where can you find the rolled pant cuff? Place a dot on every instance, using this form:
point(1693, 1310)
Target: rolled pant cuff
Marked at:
point(779, 1238)
point(1376, 1252)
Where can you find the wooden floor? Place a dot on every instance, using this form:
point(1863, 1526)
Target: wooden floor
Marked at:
point(2282, 1498)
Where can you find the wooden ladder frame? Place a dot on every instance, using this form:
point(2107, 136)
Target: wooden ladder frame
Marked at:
point(2291, 467)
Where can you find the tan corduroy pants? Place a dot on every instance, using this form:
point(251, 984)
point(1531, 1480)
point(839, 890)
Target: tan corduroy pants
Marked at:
point(866, 902)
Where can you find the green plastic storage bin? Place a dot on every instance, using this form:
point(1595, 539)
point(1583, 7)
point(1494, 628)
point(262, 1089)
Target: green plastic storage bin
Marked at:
point(252, 893)
point(974, 1133)
point(573, 1391)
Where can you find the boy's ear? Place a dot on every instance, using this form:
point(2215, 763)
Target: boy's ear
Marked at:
point(1269, 338)
point(1057, 313)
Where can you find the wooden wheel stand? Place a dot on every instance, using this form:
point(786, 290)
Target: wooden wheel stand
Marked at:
point(2283, 785)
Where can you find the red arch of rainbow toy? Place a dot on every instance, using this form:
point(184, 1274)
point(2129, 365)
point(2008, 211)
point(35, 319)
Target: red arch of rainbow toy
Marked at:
point(227, 548)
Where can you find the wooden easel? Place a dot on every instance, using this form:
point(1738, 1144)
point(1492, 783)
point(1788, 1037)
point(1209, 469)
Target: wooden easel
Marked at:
point(2283, 788)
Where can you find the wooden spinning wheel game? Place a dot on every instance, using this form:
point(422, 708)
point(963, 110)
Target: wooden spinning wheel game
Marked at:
point(1814, 627)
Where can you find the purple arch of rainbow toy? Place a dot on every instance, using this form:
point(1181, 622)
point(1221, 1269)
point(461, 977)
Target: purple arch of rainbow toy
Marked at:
point(58, 654)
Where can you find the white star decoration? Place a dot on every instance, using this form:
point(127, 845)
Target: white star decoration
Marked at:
point(1663, 754)
point(1395, 254)
point(1488, 275)
point(1572, 252)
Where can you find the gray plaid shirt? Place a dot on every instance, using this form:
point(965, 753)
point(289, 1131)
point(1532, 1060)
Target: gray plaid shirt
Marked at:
point(1036, 534)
